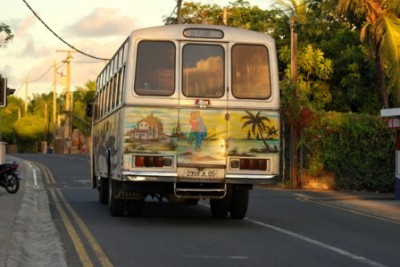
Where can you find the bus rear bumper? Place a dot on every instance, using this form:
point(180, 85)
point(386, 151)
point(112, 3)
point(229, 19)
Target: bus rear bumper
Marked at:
point(251, 179)
point(172, 177)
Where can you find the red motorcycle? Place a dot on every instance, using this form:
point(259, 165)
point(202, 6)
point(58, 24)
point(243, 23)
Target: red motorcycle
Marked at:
point(9, 177)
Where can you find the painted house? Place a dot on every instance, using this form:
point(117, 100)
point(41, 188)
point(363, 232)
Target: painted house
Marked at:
point(145, 131)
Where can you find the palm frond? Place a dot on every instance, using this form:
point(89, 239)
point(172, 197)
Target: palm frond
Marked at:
point(393, 6)
point(388, 33)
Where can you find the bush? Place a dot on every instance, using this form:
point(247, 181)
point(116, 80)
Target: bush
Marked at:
point(358, 148)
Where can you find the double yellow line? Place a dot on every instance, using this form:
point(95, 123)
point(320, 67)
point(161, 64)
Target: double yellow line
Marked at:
point(69, 218)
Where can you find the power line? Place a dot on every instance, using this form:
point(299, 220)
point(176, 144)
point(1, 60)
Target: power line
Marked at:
point(61, 39)
point(41, 76)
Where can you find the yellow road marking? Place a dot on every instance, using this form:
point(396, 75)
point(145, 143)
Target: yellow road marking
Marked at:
point(48, 177)
point(79, 247)
point(92, 241)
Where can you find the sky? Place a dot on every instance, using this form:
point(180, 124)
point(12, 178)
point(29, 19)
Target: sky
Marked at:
point(96, 27)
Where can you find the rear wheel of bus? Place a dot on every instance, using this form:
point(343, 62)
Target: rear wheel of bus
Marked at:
point(103, 190)
point(239, 203)
point(220, 207)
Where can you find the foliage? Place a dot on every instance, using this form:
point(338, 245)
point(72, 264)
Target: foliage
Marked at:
point(381, 26)
point(29, 131)
point(314, 70)
point(26, 130)
point(9, 115)
point(358, 148)
point(83, 96)
point(6, 34)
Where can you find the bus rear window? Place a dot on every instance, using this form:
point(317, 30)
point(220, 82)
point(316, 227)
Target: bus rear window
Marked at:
point(203, 70)
point(250, 72)
point(155, 68)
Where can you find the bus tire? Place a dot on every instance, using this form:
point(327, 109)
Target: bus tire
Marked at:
point(239, 203)
point(135, 207)
point(219, 208)
point(103, 190)
point(115, 206)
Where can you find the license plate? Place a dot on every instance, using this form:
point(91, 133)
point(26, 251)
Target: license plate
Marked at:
point(195, 173)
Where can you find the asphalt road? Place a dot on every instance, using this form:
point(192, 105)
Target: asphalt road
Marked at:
point(282, 228)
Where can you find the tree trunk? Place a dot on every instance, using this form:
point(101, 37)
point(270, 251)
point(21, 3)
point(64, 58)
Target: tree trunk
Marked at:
point(294, 133)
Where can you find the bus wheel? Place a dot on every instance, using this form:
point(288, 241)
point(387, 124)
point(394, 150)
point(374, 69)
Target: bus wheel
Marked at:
point(103, 190)
point(115, 206)
point(135, 207)
point(239, 204)
point(219, 207)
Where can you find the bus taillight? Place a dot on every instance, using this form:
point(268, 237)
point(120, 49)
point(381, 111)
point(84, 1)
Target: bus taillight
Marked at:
point(139, 161)
point(158, 161)
point(244, 164)
point(152, 161)
point(254, 164)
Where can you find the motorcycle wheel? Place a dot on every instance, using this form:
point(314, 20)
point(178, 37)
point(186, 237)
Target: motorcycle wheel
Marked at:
point(11, 183)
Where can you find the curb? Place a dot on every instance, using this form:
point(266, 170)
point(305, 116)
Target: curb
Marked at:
point(34, 239)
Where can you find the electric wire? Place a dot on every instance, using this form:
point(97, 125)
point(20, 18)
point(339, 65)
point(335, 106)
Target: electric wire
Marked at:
point(61, 39)
point(41, 76)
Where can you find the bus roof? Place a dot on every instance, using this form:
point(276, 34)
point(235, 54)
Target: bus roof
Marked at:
point(202, 32)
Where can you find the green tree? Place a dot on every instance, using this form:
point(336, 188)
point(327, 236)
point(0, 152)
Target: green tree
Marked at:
point(29, 131)
point(9, 115)
point(197, 13)
point(83, 96)
point(6, 34)
point(382, 27)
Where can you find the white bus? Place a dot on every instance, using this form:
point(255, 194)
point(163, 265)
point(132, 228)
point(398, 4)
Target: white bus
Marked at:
point(187, 112)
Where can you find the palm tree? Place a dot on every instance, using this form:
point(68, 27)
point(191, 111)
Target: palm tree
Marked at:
point(382, 26)
point(257, 125)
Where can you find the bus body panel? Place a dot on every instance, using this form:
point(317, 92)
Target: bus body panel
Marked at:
point(107, 143)
point(148, 140)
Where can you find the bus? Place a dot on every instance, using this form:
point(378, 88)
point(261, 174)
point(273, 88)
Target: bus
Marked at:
point(186, 113)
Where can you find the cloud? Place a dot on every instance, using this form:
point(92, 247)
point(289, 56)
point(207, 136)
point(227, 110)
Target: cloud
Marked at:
point(31, 50)
point(23, 27)
point(101, 22)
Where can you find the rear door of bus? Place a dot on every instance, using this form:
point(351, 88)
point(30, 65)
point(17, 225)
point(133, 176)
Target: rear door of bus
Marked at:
point(202, 111)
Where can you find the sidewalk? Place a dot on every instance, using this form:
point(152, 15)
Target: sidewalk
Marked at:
point(381, 205)
point(9, 207)
point(28, 236)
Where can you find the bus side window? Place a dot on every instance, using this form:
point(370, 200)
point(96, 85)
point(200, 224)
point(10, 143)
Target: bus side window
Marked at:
point(250, 72)
point(155, 68)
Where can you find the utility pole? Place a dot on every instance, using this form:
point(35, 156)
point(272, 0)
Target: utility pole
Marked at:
point(68, 99)
point(26, 94)
point(179, 15)
point(293, 49)
point(294, 128)
point(54, 98)
point(225, 16)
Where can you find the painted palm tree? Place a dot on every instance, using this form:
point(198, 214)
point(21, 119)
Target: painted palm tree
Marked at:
point(257, 125)
point(382, 27)
point(271, 132)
